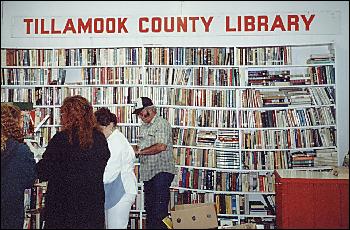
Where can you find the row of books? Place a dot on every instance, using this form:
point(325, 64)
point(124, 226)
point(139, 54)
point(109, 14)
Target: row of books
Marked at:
point(289, 139)
point(285, 97)
point(274, 55)
point(313, 75)
point(195, 117)
point(254, 160)
point(260, 139)
point(287, 118)
point(265, 160)
point(71, 57)
point(199, 117)
point(189, 56)
point(128, 95)
point(250, 98)
point(225, 204)
point(195, 157)
point(277, 55)
point(300, 138)
point(191, 76)
point(206, 179)
point(322, 58)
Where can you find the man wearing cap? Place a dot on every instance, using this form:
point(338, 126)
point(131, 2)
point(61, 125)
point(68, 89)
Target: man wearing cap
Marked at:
point(157, 165)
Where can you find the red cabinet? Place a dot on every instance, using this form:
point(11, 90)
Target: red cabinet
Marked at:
point(311, 199)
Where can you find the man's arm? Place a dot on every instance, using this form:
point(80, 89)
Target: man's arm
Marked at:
point(152, 150)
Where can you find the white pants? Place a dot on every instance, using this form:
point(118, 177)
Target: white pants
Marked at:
point(118, 216)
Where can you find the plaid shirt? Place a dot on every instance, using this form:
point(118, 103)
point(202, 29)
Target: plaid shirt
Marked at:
point(157, 131)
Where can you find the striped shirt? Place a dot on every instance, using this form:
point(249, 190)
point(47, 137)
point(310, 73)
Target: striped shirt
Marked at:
point(157, 131)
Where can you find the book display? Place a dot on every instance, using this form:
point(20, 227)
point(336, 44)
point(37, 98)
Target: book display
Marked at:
point(238, 113)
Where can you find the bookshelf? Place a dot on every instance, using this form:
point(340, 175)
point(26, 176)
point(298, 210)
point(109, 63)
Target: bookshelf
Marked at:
point(34, 203)
point(238, 113)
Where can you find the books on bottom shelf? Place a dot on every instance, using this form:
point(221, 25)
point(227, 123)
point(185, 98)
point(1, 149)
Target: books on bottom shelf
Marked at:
point(135, 222)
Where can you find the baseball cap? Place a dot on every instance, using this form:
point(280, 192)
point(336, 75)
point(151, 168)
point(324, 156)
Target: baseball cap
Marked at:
point(141, 103)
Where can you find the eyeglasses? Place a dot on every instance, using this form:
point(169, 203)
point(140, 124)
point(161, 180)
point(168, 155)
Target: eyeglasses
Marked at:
point(143, 114)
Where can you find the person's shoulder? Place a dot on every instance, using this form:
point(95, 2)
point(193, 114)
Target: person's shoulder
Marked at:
point(99, 136)
point(60, 134)
point(59, 137)
point(24, 150)
point(116, 137)
point(163, 121)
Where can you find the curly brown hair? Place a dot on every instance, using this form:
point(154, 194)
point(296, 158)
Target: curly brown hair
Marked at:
point(10, 124)
point(77, 117)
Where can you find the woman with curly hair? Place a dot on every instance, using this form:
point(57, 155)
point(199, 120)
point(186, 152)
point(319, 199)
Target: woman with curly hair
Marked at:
point(73, 164)
point(17, 168)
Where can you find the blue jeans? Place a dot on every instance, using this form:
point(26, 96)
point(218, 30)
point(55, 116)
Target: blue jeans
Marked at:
point(157, 196)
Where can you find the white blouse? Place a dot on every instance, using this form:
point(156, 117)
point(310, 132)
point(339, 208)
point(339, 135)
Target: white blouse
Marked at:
point(121, 161)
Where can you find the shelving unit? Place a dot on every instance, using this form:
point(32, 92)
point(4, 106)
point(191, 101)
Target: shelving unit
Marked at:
point(237, 113)
point(137, 212)
point(34, 202)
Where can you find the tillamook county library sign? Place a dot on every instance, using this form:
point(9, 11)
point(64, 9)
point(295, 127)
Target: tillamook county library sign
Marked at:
point(247, 24)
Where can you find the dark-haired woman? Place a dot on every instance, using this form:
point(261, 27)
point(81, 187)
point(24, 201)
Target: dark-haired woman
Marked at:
point(119, 177)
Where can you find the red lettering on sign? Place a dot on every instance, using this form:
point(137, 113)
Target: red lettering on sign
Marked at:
point(69, 26)
point(307, 22)
point(121, 25)
point(169, 28)
point(262, 22)
point(278, 23)
point(43, 31)
point(85, 27)
point(249, 23)
point(28, 21)
point(53, 31)
point(181, 24)
point(98, 25)
point(141, 29)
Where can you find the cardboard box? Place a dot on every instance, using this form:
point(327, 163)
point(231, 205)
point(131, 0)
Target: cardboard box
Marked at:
point(194, 216)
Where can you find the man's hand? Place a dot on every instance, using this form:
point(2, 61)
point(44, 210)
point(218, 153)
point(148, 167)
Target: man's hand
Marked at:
point(136, 149)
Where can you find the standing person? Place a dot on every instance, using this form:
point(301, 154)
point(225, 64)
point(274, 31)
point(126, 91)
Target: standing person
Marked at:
point(17, 168)
point(73, 164)
point(157, 165)
point(119, 177)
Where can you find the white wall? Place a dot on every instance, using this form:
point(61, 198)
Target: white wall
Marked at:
point(333, 26)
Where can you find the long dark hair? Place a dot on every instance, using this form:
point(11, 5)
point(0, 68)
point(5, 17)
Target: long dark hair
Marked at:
point(77, 117)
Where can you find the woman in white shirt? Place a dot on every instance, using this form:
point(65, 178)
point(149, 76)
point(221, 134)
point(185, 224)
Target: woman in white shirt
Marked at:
point(119, 177)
